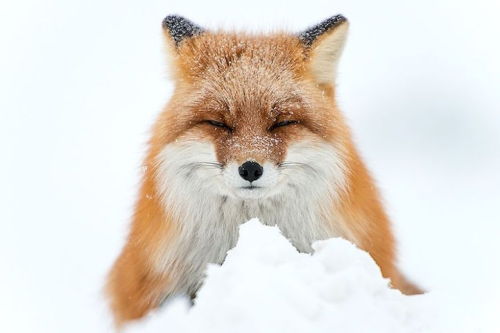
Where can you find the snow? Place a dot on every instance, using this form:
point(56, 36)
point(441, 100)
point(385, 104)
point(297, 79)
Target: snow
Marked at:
point(266, 285)
point(82, 82)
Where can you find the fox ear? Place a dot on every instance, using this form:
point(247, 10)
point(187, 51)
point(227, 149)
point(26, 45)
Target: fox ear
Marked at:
point(178, 28)
point(324, 43)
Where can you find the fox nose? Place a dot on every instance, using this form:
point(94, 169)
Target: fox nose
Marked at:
point(250, 171)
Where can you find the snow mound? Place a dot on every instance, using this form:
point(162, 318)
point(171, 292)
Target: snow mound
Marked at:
point(265, 285)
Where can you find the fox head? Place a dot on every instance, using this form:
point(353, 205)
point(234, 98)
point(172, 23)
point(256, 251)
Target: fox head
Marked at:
point(251, 116)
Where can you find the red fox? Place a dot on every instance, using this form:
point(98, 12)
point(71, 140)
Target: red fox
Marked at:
point(252, 130)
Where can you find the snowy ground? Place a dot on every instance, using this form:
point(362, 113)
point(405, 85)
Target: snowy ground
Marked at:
point(265, 285)
point(81, 82)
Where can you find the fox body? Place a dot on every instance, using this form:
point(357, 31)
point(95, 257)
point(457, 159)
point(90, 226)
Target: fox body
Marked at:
point(252, 130)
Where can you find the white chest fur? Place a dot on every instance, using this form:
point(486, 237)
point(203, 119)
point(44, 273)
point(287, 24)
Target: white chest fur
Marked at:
point(208, 217)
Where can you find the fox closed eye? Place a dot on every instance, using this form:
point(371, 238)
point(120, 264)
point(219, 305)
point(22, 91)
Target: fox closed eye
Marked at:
point(282, 124)
point(219, 124)
point(276, 125)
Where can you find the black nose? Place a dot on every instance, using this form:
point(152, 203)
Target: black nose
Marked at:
point(250, 171)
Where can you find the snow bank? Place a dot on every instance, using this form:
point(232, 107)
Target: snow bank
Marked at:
point(265, 285)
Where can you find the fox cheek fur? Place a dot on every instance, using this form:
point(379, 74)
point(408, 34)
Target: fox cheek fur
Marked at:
point(252, 130)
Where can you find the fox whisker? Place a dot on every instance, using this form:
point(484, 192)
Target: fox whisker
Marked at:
point(291, 165)
point(198, 165)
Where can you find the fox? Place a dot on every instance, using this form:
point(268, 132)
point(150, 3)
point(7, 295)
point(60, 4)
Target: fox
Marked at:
point(252, 129)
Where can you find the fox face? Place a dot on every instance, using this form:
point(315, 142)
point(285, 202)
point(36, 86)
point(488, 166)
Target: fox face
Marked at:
point(249, 118)
point(251, 130)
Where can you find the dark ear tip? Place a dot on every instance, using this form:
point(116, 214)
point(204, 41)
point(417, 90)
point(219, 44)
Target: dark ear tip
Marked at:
point(340, 18)
point(180, 27)
point(171, 20)
point(334, 21)
point(309, 35)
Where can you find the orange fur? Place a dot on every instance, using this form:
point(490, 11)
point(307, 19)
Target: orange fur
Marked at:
point(276, 67)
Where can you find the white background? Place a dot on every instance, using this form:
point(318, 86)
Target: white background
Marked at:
point(82, 81)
